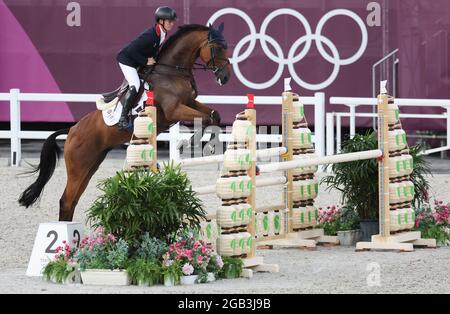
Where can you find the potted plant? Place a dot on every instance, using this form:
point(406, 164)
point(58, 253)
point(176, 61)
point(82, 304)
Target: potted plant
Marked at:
point(145, 268)
point(188, 277)
point(434, 223)
point(141, 201)
point(358, 181)
point(349, 231)
point(171, 271)
point(232, 268)
point(63, 269)
point(215, 265)
point(199, 262)
point(144, 272)
point(103, 259)
point(329, 220)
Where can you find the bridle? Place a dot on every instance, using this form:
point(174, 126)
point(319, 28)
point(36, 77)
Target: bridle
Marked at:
point(209, 66)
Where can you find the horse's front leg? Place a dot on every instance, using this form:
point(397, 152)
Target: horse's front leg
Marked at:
point(214, 119)
point(191, 112)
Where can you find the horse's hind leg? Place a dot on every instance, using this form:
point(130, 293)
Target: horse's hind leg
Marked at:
point(87, 179)
point(77, 182)
point(81, 156)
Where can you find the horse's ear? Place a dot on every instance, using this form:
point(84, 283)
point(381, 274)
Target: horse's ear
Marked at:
point(221, 27)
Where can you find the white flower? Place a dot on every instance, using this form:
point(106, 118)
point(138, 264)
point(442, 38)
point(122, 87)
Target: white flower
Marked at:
point(219, 261)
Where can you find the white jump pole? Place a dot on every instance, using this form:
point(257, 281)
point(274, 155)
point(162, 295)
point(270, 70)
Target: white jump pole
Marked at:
point(260, 182)
point(216, 159)
point(287, 165)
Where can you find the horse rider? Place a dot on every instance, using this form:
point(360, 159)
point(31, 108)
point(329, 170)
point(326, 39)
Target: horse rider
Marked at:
point(141, 52)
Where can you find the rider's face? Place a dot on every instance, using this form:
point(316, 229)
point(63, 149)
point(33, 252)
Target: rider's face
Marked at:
point(168, 25)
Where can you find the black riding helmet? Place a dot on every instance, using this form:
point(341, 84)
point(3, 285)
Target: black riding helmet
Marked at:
point(165, 13)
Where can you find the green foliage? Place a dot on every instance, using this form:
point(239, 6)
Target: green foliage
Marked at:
point(232, 268)
point(435, 232)
point(202, 277)
point(138, 202)
point(358, 180)
point(330, 229)
point(151, 249)
point(422, 168)
point(118, 257)
point(215, 264)
point(143, 271)
point(349, 220)
point(172, 269)
point(58, 270)
point(112, 255)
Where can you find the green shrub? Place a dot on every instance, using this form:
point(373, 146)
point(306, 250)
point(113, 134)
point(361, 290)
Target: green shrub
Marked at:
point(358, 180)
point(134, 203)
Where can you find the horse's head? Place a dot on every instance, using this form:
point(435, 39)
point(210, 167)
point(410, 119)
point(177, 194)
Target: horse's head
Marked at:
point(215, 54)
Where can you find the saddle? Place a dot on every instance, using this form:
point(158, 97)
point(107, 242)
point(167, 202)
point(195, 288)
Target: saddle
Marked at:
point(110, 99)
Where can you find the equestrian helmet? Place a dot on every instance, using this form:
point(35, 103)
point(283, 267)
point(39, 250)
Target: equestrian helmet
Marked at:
point(165, 13)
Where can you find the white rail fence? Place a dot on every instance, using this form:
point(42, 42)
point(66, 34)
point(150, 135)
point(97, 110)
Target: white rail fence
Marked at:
point(353, 103)
point(331, 140)
point(174, 136)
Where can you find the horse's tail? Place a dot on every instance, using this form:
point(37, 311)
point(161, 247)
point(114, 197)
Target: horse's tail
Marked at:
point(49, 156)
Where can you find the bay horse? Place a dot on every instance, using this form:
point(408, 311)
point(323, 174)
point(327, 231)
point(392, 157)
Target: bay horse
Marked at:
point(173, 84)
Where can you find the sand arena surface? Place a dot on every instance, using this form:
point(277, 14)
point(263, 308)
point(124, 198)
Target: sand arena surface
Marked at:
point(327, 270)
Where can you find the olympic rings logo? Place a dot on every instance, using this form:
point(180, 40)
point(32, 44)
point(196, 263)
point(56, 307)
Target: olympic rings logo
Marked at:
point(292, 57)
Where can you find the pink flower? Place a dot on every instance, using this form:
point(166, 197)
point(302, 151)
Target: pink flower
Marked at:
point(111, 237)
point(187, 269)
point(199, 259)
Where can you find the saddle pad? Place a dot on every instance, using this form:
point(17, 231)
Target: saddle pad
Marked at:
point(112, 115)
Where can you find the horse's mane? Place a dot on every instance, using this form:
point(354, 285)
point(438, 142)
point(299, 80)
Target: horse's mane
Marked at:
point(182, 30)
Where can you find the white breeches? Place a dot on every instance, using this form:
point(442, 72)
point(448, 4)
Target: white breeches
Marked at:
point(131, 75)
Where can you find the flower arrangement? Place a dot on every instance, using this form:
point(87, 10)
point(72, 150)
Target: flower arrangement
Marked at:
point(63, 266)
point(171, 270)
point(195, 257)
point(149, 261)
point(329, 219)
point(334, 219)
point(434, 222)
point(102, 251)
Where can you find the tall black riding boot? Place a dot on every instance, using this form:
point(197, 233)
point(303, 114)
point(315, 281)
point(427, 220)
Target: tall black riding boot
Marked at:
point(129, 101)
